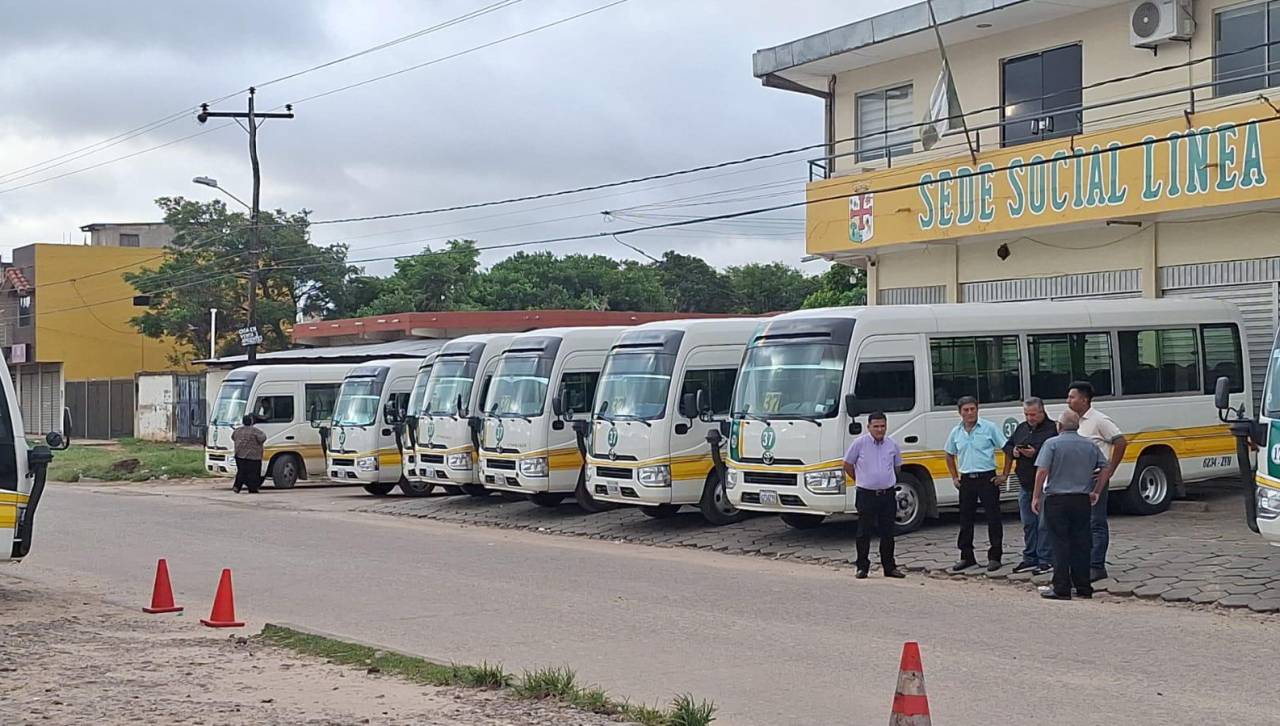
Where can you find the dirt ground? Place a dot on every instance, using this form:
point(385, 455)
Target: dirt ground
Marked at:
point(68, 658)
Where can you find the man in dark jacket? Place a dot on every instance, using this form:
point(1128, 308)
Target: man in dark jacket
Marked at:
point(1020, 454)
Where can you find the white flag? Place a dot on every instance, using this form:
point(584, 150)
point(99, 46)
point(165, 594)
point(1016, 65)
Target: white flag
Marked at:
point(943, 106)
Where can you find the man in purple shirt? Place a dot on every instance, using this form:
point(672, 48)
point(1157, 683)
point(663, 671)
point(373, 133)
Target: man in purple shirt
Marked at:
point(873, 461)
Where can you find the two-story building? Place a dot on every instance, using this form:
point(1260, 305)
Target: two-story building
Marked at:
point(1106, 149)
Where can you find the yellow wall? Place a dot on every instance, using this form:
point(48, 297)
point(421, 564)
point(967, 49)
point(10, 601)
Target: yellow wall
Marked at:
point(94, 342)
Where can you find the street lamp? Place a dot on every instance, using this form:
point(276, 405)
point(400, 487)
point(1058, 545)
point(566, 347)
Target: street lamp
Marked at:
point(211, 182)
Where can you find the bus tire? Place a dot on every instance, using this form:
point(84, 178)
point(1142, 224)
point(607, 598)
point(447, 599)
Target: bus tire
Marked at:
point(412, 488)
point(452, 489)
point(912, 507)
point(715, 505)
point(662, 511)
point(803, 521)
point(475, 490)
point(550, 500)
point(285, 471)
point(380, 489)
point(1153, 486)
point(588, 502)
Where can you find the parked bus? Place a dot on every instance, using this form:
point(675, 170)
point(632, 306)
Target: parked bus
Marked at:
point(649, 437)
point(809, 379)
point(284, 400)
point(542, 379)
point(22, 473)
point(449, 423)
point(1265, 514)
point(360, 441)
point(419, 482)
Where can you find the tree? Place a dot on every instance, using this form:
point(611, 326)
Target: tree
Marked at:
point(839, 286)
point(431, 281)
point(693, 286)
point(775, 287)
point(205, 267)
point(542, 281)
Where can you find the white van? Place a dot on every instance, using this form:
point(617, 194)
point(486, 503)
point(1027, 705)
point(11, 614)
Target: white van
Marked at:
point(284, 400)
point(649, 438)
point(448, 432)
point(23, 470)
point(809, 379)
point(360, 441)
point(543, 378)
point(419, 481)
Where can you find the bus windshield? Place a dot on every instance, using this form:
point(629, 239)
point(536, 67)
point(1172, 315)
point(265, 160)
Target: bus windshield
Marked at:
point(233, 398)
point(357, 402)
point(634, 384)
point(450, 379)
point(519, 386)
point(419, 393)
point(793, 380)
point(1271, 397)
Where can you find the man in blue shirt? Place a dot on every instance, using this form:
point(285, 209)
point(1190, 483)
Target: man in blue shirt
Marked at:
point(971, 459)
point(1067, 486)
point(874, 461)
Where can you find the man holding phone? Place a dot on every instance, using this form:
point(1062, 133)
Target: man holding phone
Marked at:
point(1020, 455)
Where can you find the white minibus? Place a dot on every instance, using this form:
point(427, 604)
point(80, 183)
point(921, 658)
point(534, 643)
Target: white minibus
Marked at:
point(360, 440)
point(649, 437)
point(418, 481)
point(23, 469)
point(809, 379)
point(449, 423)
point(284, 401)
point(1265, 512)
point(542, 380)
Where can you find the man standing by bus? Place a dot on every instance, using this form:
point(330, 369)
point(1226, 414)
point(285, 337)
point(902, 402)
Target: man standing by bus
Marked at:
point(1021, 450)
point(874, 461)
point(1106, 435)
point(1066, 486)
point(971, 459)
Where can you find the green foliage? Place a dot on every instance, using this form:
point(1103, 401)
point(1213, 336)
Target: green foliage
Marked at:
point(154, 460)
point(485, 675)
point(446, 279)
point(687, 712)
point(693, 286)
point(839, 286)
point(560, 684)
point(295, 276)
point(772, 288)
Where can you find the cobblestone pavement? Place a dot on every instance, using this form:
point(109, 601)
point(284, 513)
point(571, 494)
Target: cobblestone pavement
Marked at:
point(1200, 552)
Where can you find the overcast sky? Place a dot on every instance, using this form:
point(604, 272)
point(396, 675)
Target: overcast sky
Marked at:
point(644, 87)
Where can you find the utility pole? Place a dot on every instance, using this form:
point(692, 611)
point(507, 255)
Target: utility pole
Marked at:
point(250, 338)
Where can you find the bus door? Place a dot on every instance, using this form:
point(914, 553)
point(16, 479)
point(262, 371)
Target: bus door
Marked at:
point(887, 377)
point(275, 410)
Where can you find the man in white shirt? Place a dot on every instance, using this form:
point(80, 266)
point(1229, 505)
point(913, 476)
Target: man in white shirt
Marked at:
point(1106, 435)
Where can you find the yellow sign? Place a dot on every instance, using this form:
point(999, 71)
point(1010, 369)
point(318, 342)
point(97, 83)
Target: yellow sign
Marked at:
point(1219, 157)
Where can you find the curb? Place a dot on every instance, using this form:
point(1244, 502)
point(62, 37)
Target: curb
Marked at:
point(364, 643)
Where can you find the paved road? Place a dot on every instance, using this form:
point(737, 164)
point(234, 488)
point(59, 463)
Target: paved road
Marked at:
point(774, 642)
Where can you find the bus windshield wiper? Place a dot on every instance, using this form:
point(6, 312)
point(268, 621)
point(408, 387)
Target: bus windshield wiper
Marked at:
point(509, 414)
point(746, 413)
point(630, 417)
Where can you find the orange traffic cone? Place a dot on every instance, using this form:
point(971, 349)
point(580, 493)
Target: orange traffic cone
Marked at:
point(224, 605)
point(910, 704)
point(162, 591)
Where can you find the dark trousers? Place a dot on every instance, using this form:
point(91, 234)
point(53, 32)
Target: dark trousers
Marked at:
point(876, 511)
point(1067, 516)
point(248, 474)
point(981, 489)
point(1101, 532)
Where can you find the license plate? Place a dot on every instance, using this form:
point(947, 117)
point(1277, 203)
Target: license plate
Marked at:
point(768, 496)
point(613, 489)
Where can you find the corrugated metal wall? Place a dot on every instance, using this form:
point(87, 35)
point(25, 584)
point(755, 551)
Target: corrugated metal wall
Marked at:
point(927, 295)
point(40, 396)
point(1112, 283)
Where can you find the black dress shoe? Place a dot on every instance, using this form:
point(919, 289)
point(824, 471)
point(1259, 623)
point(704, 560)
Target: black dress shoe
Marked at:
point(1024, 566)
point(1051, 595)
point(963, 565)
point(1097, 573)
point(895, 573)
point(1042, 570)
point(861, 574)
point(993, 565)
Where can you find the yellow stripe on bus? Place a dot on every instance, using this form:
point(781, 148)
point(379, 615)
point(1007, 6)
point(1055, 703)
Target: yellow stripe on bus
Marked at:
point(8, 516)
point(7, 497)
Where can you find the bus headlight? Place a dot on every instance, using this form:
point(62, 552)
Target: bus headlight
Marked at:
point(654, 476)
point(1268, 502)
point(367, 463)
point(535, 467)
point(828, 481)
point(459, 462)
point(731, 478)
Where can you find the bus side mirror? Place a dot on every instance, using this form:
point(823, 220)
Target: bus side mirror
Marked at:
point(391, 414)
point(1222, 393)
point(689, 406)
point(458, 406)
point(55, 440)
point(557, 406)
point(851, 404)
point(702, 405)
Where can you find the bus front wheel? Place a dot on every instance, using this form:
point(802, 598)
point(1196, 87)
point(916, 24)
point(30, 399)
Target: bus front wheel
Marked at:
point(1152, 488)
point(715, 505)
point(803, 521)
point(285, 471)
point(911, 508)
point(412, 488)
point(379, 490)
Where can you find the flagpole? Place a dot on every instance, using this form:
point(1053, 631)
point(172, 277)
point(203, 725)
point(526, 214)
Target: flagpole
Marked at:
point(946, 64)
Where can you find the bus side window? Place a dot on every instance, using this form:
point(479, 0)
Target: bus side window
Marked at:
point(579, 390)
point(1220, 346)
point(320, 400)
point(888, 386)
point(718, 383)
point(274, 409)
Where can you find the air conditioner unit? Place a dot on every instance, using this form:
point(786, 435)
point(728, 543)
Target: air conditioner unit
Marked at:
point(1152, 22)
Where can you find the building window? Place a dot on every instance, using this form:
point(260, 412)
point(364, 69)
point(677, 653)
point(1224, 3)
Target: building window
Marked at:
point(129, 240)
point(1159, 361)
point(881, 116)
point(24, 311)
point(1241, 44)
point(578, 391)
point(985, 366)
point(1057, 360)
point(717, 383)
point(274, 409)
point(1040, 96)
point(886, 386)
point(1223, 357)
point(320, 399)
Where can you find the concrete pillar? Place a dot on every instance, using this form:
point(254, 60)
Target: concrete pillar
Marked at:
point(951, 269)
point(873, 282)
point(1149, 244)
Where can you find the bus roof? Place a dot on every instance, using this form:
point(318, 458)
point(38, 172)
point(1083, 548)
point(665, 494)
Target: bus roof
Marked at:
point(390, 365)
point(291, 372)
point(599, 336)
point(704, 324)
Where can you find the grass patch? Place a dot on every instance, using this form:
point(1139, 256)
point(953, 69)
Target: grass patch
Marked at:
point(154, 459)
point(558, 684)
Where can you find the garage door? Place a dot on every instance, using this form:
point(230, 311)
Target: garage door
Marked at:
point(1257, 303)
point(1111, 284)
